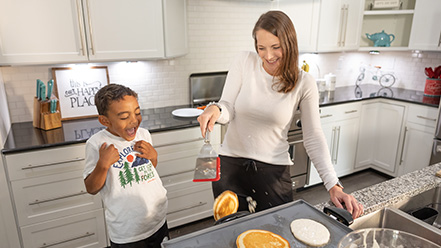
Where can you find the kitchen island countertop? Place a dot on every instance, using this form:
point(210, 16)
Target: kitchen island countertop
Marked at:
point(392, 191)
point(24, 137)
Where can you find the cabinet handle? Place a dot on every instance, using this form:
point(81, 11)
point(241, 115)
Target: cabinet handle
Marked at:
point(81, 27)
point(92, 46)
point(56, 198)
point(189, 207)
point(178, 143)
point(338, 144)
point(345, 24)
point(351, 111)
point(426, 118)
point(439, 40)
point(325, 116)
point(402, 146)
point(177, 173)
point(87, 234)
point(340, 31)
point(30, 166)
point(332, 144)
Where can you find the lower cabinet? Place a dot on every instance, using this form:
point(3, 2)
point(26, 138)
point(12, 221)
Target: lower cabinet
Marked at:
point(340, 125)
point(177, 152)
point(380, 134)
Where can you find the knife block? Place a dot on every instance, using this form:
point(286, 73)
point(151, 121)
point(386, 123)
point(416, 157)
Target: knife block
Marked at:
point(43, 118)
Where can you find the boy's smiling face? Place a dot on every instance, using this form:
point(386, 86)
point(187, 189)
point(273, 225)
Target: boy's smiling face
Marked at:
point(123, 118)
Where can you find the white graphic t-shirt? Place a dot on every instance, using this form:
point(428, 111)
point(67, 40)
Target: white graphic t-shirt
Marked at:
point(134, 198)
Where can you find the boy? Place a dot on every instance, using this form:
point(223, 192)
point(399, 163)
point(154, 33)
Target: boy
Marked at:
point(120, 165)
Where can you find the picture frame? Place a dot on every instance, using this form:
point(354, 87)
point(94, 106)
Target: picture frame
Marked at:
point(75, 89)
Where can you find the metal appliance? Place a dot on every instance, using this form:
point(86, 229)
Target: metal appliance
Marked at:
point(300, 170)
point(206, 87)
point(436, 148)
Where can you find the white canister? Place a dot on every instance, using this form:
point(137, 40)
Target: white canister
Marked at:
point(330, 81)
point(321, 85)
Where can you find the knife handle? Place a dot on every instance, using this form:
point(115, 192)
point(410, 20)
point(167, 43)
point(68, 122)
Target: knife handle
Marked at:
point(50, 85)
point(43, 92)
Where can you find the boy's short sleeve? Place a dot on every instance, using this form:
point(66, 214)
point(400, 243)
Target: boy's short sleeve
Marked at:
point(92, 156)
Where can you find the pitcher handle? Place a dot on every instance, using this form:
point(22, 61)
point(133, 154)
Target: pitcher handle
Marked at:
point(393, 37)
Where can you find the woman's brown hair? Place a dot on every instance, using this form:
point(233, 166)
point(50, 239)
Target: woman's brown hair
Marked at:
point(279, 24)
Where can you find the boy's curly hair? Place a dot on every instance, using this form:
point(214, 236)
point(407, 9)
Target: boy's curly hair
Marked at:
point(109, 93)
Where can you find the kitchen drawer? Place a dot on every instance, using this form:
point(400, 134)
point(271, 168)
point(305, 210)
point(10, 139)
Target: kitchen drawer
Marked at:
point(45, 162)
point(298, 181)
point(82, 230)
point(45, 198)
point(189, 205)
point(341, 111)
point(423, 115)
point(182, 136)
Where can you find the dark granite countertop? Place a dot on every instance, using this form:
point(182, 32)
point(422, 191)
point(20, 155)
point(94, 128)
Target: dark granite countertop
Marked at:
point(24, 137)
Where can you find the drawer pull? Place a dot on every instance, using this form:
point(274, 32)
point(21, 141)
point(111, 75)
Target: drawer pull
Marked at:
point(177, 173)
point(189, 207)
point(178, 143)
point(57, 198)
point(350, 111)
point(426, 118)
point(49, 164)
point(325, 116)
point(67, 240)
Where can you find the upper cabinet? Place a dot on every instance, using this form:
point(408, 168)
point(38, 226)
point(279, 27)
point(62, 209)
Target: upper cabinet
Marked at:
point(426, 28)
point(67, 31)
point(339, 25)
point(325, 25)
point(394, 21)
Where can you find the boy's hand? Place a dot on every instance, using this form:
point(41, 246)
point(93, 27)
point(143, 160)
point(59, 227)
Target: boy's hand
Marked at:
point(108, 155)
point(147, 151)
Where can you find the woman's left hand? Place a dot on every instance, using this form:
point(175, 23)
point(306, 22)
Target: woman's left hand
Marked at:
point(352, 205)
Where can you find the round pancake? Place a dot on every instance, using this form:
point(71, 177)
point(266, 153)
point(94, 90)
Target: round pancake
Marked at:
point(310, 232)
point(256, 238)
point(225, 204)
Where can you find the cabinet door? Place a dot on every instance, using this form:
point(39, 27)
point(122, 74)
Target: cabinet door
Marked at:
point(124, 29)
point(426, 26)
point(44, 31)
point(346, 146)
point(305, 16)
point(340, 25)
point(417, 148)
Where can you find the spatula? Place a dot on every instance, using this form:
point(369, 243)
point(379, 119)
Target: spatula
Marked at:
point(207, 163)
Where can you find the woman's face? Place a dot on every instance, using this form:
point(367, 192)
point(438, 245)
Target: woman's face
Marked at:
point(269, 49)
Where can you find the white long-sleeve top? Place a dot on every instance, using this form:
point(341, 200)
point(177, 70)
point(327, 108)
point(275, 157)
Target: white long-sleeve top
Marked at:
point(259, 117)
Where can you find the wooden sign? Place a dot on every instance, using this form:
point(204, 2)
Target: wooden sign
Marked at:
point(76, 89)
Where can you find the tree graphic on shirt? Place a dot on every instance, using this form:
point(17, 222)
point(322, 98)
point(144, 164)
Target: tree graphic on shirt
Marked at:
point(128, 173)
point(122, 179)
point(137, 178)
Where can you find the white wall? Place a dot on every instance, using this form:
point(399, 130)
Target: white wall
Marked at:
point(217, 31)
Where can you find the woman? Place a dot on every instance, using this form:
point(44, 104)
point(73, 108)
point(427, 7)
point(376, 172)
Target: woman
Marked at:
point(261, 93)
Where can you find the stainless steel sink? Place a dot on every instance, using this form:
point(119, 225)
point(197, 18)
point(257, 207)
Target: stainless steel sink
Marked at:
point(397, 217)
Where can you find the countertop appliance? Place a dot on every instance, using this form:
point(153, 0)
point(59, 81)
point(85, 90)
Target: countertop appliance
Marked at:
point(206, 87)
point(436, 148)
point(300, 170)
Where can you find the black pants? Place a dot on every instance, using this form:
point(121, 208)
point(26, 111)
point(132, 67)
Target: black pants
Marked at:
point(153, 241)
point(269, 185)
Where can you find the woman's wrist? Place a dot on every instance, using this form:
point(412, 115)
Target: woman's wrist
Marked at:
point(215, 104)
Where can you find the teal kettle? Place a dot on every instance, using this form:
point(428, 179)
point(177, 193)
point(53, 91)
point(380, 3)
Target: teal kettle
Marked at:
point(381, 39)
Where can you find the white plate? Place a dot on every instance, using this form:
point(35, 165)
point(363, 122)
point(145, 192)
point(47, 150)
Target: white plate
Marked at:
point(187, 112)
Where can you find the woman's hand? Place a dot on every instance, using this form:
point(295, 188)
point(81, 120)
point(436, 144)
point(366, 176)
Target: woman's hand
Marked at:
point(147, 151)
point(208, 118)
point(352, 205)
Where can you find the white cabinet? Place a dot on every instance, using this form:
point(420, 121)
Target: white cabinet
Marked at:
point(426, 28)
point(177, 153)
point(339, 25)
point(418, 136)
point(50, 201)
point(325, 25)
point(340, 125)
point(54, 31)
point(380, 136)
point(305, 16)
